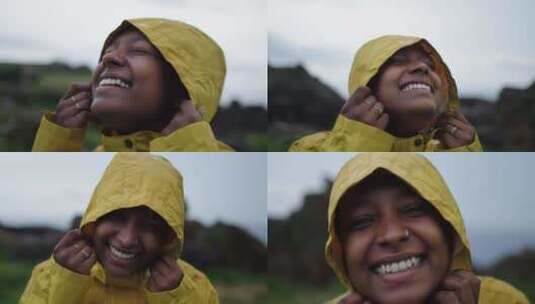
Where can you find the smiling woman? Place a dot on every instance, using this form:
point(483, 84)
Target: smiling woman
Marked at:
point(403, 98)
point(396, 235)
point(156, 87)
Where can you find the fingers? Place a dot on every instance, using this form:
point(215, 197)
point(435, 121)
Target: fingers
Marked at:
point(445, 297)
point(366, 108)
point(73, 111)
point(165, 274)
point(70, 238)
point(188, 114)
point(75, 88)
point(358, 97)
point(353, 298)
point(464, 285)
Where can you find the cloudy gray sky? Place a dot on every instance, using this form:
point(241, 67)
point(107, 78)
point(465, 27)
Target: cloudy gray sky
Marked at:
point(486, 43)
point(50, 188)
point(494, 192)
point(73, 31)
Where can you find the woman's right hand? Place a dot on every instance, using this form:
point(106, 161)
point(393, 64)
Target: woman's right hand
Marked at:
point(354, 298)
point(364, 107)
point(74, 253)
point(73, 108)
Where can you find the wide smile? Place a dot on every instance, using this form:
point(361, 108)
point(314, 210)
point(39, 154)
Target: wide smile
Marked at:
point(121, 255)
point(399, 270)
point(114, 82)
point(398, 266)
point(417, 87)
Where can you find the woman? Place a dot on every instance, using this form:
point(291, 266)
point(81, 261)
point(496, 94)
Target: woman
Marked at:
point(403, 98)
point(127, 247)
point(156, 87)
point(396, 235)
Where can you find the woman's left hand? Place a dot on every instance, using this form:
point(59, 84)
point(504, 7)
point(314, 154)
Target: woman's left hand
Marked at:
point(458, 287)
point(188, 114)
point(165, 274)
point(455, 130)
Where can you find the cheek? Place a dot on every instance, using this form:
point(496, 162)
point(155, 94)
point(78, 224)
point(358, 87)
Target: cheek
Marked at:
point(387, 88)
point(355, 249)
point(151, 242)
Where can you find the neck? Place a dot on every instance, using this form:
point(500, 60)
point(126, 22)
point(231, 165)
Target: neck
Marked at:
point(411, 125)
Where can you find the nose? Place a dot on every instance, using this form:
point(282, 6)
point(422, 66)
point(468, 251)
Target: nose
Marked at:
point(113, 58)
point(128, 235)
point(419, 67)
point(391, 232)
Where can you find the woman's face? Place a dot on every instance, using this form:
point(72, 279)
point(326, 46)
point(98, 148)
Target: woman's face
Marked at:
point(128, 86)
point(126, 241)
point(394, 248)
point(408, 85)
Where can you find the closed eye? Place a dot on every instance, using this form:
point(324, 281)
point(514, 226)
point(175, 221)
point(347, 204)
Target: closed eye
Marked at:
point(414, 209)
point(360, 223)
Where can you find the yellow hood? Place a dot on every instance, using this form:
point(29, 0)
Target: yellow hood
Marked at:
point(418, 172)
point(140, 179)
point(372, 55)
point(195, 57)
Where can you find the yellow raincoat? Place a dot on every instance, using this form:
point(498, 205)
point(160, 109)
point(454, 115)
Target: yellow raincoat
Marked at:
point(201, 65)
point(351, 135)
point(130, 180)
point(420, 174)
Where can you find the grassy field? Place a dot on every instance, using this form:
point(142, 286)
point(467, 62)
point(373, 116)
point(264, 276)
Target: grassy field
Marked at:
point(13, 279)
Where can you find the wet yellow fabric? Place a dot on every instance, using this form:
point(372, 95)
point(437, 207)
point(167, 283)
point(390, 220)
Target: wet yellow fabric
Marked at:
point(200, 64)
point(350, 135)
point(422, 176)
point(130, 180)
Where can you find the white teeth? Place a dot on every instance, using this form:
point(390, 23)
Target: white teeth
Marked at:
point(399, 266)
point(121, 254)
point(114, 81)
point(417, 86)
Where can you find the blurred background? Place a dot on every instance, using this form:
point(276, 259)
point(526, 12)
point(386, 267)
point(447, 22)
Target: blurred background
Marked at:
point(487, 45)
point(493, 190)
point(225, 233)
point(44, 46)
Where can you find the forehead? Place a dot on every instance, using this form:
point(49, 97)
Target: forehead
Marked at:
point(128, 35)
point(377, 184)
point(413, 50)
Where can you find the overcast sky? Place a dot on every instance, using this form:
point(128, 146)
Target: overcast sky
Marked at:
point(50, 188)
point(73, 31)
point(486, 43)
point(494, 192)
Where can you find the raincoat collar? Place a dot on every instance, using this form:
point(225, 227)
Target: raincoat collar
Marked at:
point(138, 141)
point(416, 171)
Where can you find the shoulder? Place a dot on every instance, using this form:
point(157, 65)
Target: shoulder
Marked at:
point(497, 291)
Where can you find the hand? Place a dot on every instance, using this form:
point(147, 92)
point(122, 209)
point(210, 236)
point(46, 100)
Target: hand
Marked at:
point(187, 115)
point(74, 252)
point(73, 108)
point(165, 274)
point(458, 287)
point(364, 107)
point(354, 298)
point(455, 130)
